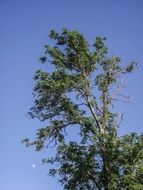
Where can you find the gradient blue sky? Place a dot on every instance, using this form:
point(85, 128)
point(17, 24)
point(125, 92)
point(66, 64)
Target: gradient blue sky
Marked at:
point(24, 28)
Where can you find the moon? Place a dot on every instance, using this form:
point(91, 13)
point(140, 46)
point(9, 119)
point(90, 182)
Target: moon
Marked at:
point(33, 166)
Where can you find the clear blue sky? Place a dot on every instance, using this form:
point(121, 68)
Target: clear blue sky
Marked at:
point(24, 27)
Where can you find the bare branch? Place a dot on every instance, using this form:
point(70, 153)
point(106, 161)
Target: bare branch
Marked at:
point(119, 120)
point(94, 114)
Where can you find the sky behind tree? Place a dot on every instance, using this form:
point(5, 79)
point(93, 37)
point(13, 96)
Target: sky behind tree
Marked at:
point(24, 29)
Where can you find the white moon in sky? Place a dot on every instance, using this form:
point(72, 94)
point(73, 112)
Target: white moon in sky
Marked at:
point(33, 166)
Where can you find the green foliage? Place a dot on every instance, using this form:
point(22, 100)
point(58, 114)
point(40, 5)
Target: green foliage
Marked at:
point(79, 94)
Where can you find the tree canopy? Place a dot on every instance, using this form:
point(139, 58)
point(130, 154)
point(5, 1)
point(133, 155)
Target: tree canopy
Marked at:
point(79, 93)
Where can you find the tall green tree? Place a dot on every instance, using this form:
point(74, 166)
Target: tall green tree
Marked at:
point(79, 95)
